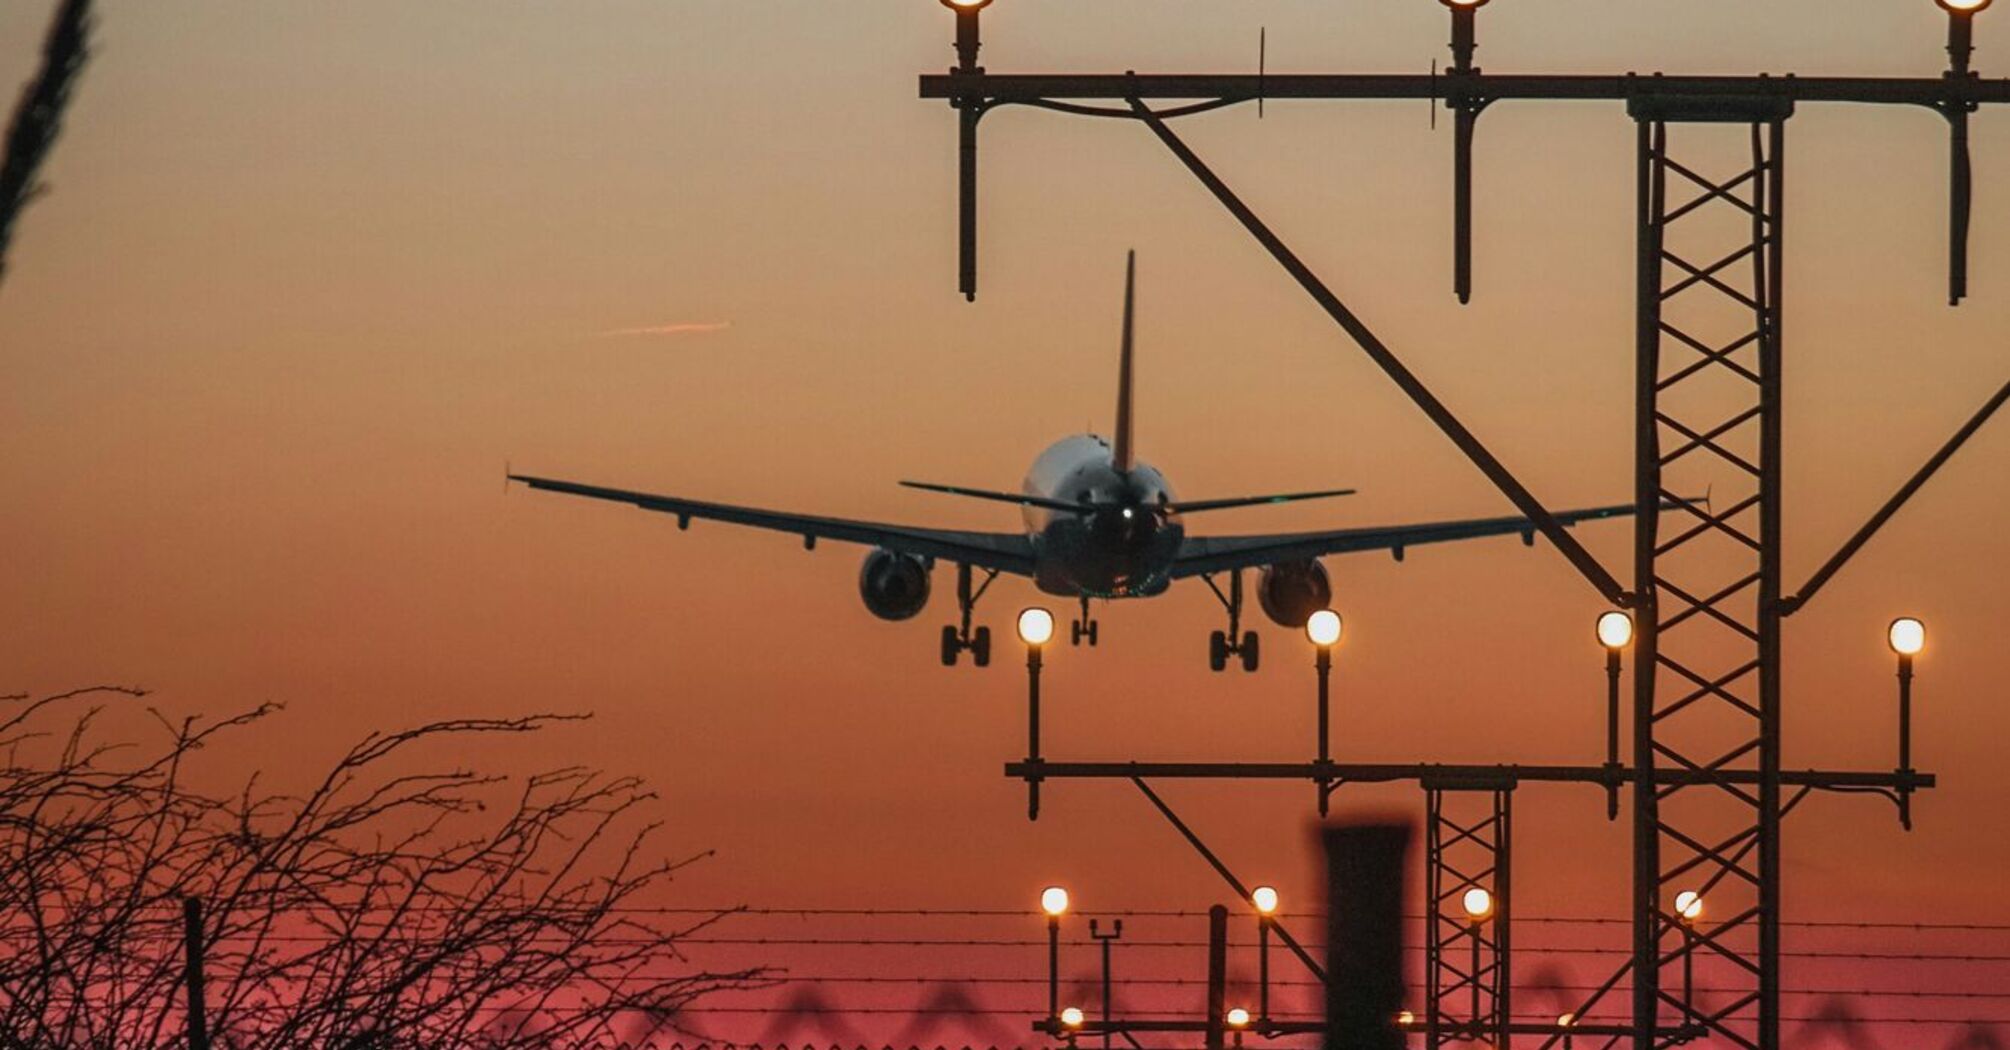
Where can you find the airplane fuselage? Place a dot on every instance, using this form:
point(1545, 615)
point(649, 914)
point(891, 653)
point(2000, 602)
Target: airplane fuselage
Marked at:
point(1123, 549)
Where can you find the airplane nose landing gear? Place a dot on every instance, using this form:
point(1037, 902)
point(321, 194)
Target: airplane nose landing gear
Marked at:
point(959, 638)
point(1084, 627)
point(1223, 644)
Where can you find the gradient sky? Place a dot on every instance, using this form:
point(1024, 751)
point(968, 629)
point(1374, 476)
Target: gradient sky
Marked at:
point(311, 274)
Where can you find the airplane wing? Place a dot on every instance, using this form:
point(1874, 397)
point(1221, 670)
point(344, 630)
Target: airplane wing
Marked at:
point(1008, 552)
point(1206, 554)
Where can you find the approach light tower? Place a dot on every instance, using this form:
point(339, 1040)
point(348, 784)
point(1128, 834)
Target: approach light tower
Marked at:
point(1707, 595)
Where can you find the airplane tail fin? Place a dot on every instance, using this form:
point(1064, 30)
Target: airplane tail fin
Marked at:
point(1124, 450)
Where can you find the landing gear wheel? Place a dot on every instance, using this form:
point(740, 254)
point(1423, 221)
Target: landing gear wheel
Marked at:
point(950, 645)
point(1249, 651)
point(980, 647)
point(1217, 651)
point(1082, 631)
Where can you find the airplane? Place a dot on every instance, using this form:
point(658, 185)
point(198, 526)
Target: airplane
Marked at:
point(1099, 523)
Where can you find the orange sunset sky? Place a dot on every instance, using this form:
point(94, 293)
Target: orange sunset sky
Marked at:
point(311, 274)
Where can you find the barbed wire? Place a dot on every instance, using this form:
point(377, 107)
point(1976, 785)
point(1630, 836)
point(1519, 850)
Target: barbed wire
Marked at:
point(1195, 982)
point(168, 937)
point(1283, 1015)
point(1036, 914)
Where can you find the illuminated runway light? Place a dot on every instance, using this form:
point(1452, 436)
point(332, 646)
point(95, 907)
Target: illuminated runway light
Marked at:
point(1689, 905)
point(1323, 627)
point(1615, 629)
point(1478, 903)
point(1907, 636)
point(1036, 626)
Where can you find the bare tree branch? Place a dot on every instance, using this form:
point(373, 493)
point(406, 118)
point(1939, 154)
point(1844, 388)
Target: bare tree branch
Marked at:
point(392, 905)
point(39, 115)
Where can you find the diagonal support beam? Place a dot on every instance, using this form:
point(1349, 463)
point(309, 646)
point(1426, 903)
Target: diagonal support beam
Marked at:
point(1892, 505)
point(1379, 352)
point(1241, 890)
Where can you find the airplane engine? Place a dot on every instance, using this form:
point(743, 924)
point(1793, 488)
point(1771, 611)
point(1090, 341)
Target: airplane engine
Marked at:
point(894, 585)
point(1292, 591)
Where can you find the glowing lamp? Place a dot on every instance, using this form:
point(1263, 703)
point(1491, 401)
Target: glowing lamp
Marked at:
point(1615, 629)
point(1323, 627)
point(1478, 904)
point(1406, 1017)
point(1566, 1020)
point(1689, 905)
point(964, 5)
point(1907, 636)
point(1238, 1018)
point(1265, 899)
point(1470, 4)
point(1054, 901)
point(1036, 626)
point(1962, 7)
point(1072, 1017)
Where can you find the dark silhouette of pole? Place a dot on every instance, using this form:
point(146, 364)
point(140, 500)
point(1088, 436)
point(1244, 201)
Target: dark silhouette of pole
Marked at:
point(1960, 177)
point(1612, 669)
point(1465, 114)
point(1107, 939)
point(1033, 728)
point(1324, 662)
point(1217, 977)
point(1904, 711)
point(967, 45)
point(1364, 935)
point(1263, 971)
point(1473, 982)
point(198, 1005)
point(1324, 628)
point(1904, 736)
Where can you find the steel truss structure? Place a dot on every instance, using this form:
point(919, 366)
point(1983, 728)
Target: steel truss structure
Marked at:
point(1707, 598)
point(1707, 613)
point(1466, 972)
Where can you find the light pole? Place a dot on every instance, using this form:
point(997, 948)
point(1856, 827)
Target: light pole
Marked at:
point(1907, 636)
point(1960, 47)
point(1036, 628)
point(966, 33)
point(1463, 40)
point(967, 114)
point(1323, 628)
point(1054, 902)
point(1479, 907)
point(1960, 32)
point(1106, 939)
point(1465, 114)
point(1264, 899)
point(1615, 633)
point(1688, 908)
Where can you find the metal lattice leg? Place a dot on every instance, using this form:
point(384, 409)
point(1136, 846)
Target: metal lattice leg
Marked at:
point(1706, 688)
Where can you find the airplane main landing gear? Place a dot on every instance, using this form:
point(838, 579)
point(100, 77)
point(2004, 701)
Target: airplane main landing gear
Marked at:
point(1084, 627)
point(959, 638)
point(1223, 644)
